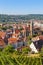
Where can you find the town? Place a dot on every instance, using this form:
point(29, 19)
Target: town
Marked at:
point(21, 32)
point(17, 35)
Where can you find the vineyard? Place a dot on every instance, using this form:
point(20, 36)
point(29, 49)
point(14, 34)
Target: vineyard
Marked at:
point(13, 58)
point(19, 60)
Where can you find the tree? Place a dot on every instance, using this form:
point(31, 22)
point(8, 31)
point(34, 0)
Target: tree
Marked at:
point(26, 50)
point(8, 49)
point(4, 28)
point(41, 53)
point(29, 40)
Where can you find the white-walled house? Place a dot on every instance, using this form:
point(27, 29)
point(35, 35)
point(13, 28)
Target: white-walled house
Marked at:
point(33, 48)
point(37, 44)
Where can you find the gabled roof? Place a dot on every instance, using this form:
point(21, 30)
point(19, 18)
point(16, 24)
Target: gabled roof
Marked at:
point(35, 38)
point(41, 37)
point(12, 40)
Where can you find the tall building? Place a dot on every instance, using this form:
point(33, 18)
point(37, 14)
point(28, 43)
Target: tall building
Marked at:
point(31, 27)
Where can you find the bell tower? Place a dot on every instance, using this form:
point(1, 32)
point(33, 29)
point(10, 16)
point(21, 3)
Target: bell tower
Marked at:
point(31, 27)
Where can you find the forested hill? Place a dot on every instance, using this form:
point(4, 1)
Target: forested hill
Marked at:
point(17, 18)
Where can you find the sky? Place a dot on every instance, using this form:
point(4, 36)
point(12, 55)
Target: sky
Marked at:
point(21, 7)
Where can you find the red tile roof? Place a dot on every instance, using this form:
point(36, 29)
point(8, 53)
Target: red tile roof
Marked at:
point(2, 42)
point(41, 37)
point(17, 31)
point(12, 40)
point(2, 34)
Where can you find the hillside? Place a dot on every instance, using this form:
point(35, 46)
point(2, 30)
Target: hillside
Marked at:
point(18, 18)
